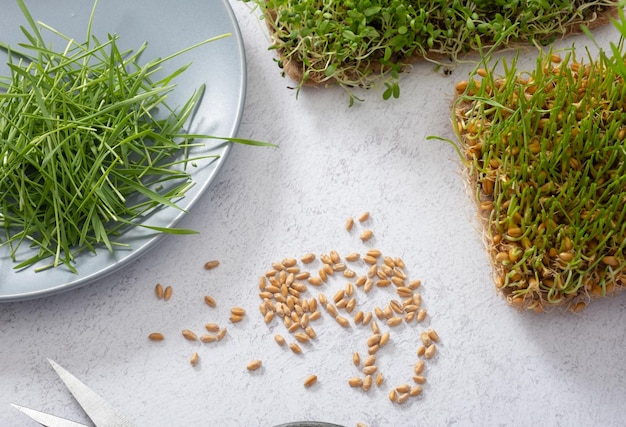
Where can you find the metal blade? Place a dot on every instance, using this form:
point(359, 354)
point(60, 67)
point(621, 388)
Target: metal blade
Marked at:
point(47, 419)
point(98, 409)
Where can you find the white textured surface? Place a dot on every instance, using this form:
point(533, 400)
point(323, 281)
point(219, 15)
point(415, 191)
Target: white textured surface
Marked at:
point(495, 366)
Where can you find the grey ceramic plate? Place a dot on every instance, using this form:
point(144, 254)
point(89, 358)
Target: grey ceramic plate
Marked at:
point(167, 26)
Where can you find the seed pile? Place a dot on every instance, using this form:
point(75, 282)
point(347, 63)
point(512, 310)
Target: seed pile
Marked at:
point(361, 43)
point(286, 293)
point(545, 156)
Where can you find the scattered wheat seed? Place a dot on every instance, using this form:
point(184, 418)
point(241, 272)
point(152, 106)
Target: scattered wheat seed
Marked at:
point(369, 260)
point(303, 275)
point(221, 334)
point(342, 321)
point(158, 291)
point(210, 301)
point(364, 216)
point(369, 360)
point(415, 391)
point(375, 328)
point(189, 335)
point(426, 340)
point(398, 272)
point(206, 338)
point(366, 235)
point(373, 349)
point(393, 395)
point(339, 267)
point(334, 256)
point(295, 348)
point(167, 293)
point(308, 258)
point(372, 271)
point(379, 379)
point(331, 309)
point(289, 262)
point(349, 274)
point(304, 320)
point(193, 360)
point(367, 317)
point(210, 265)
point(238, 311)
point(374, 253)
point(387, 313)
point(279, 340)
point(367, 382)
point(322, 299)
point(417, 299)
point(419, 379)
point(421, 350)
point(358, 317)
point(404, 292)
point(351, 304)
point(403, 388)
point(396, 307)
point(254, 365)
point(433, 335)
point(310, 332)
point(235, 318)
point(349, 223)
point(339, 295)
point(355, 382)
point(403, 398)
point(394, 321)
point(418, 368)
point(411, 308)
point(315, 281)
point(156, 336)
point(310, 380)
point(430, 351)
point(269, 316)
point(421, 315)
point(360, 281)
point(383, 283)
point(384, 339)
point(373, 339)
point(353, 256)
point(356, 359)
point(370, 370)
point(301, 337)
point(315, 315)
point(400, 283)
point(414, 284)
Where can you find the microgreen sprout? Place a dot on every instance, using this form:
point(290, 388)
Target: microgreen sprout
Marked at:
point(545, 153)
point(360, 43)
point(83, 156)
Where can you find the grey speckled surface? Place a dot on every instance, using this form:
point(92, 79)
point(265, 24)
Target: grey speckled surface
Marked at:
point(495, 366)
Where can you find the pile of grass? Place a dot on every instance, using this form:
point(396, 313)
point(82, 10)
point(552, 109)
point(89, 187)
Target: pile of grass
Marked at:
point(546, 159)
point(366, 42)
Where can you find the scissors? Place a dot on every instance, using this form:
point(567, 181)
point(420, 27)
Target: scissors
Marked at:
point(97, 409)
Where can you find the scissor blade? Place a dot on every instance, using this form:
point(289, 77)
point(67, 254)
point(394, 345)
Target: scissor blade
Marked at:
point(98, 409)
point(47, 419)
